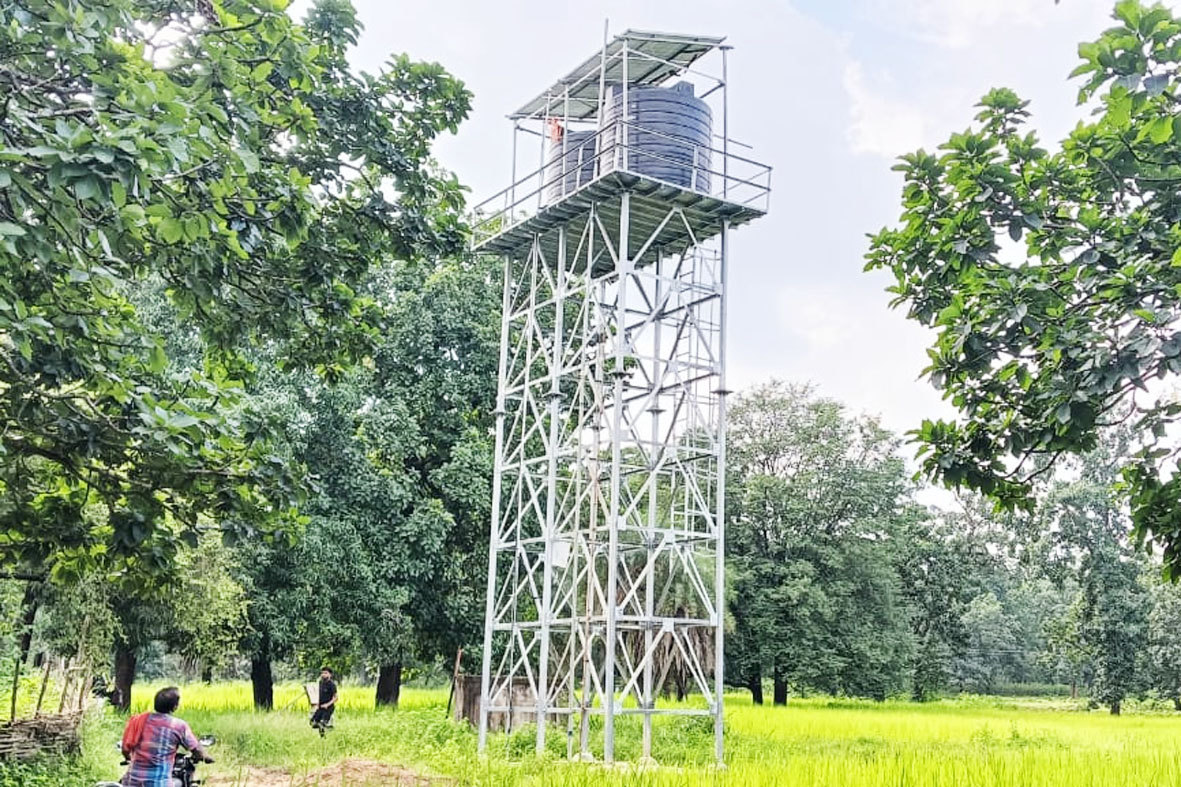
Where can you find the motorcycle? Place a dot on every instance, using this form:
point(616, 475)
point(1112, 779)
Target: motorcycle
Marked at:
point(184, 769)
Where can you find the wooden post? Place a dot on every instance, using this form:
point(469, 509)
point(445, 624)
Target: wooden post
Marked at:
point(67, 669)
point(454, 678)
point(44, 683)
point(84, 691)
point(16, 677)
point(83, 666)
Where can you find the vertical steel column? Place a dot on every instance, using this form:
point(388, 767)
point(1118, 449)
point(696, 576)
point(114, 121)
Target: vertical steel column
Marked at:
point(511, 194)
point(720, 545)
point(551, 495)
point(720, 516)
point(494, 542)
point(591, 371)
point(623, 282)
point(654, 461)
point(621, 138)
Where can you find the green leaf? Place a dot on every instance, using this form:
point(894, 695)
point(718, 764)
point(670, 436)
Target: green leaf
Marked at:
point(157, 360)
point(249, 160)
point(1119, 109)
point(184, 421)
point(87, 187)
point(14, 230)
point(262, 71)
point(1160, 130)
point(118, 194)
point(170, 230)
point(1145, 314)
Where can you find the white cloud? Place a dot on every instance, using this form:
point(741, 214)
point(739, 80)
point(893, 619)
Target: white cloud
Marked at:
point(879, 124)
point(957, 24)
point(814, 316)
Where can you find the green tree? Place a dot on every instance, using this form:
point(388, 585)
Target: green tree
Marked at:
point(943, 560)
point(1164, 642)
point(817, 598)
point(990, 644)
point(390, 565)
point(1066, 651)
point(232, 156)
point(1113, 625)
point(1052, 279)
point(1088, 521)
point(198, 610)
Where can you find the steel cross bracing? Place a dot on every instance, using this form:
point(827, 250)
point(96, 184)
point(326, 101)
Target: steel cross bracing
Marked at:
point(604, 572)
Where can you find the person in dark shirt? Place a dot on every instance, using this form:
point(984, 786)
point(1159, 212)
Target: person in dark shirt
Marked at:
point(322, 717)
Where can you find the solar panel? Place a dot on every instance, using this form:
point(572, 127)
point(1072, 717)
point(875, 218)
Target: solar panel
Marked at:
point(652, 58)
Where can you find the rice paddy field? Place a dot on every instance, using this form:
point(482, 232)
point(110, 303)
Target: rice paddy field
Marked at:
point(812, 742)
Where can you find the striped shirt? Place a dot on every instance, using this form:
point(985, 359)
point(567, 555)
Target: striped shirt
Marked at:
point(151, 762)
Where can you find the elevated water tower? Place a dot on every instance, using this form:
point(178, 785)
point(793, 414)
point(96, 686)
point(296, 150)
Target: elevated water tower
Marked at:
point(605, 572)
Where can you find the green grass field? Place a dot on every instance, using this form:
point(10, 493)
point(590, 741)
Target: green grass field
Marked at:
point(812, 742)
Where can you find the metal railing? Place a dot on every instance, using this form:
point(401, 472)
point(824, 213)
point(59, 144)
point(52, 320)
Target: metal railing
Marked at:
point(626, 147)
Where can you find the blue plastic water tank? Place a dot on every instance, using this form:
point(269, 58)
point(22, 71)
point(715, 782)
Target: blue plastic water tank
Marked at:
point(565, 173)
point(667, 137)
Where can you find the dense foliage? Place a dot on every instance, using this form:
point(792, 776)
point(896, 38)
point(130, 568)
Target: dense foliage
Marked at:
point(1053, 278)
point(234, 157)
point(843, 584)
point(390, 567)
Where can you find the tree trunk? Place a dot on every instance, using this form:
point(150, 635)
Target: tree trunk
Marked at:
point(1073, 689)
point(206, 674)
point(1115, 708)
point(1176, 703)
point(682, 687)
point(780, 690)
point(29, 608)
point(755, 684)
point(262, 682)
point(389, 684)
point(125, 660)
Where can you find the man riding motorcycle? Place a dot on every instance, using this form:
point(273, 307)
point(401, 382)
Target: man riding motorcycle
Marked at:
point(151, 741)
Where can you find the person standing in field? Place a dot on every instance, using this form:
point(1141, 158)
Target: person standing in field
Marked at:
point(325, 702)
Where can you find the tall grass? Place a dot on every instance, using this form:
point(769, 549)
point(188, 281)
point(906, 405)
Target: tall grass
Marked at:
point(815, 742)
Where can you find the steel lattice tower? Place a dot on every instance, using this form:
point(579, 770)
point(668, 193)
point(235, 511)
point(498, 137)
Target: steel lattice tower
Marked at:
point(605, 568)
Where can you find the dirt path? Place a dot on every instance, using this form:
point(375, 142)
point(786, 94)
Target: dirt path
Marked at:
point(349, 773)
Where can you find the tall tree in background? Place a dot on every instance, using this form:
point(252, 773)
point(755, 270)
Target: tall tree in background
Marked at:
point(1164, 643)
point(1053, 280)
point(944, 560)
point(1089, 523)
point(234, 157)
point(440, 361)
point(198, 610)
point(388, 569)
point(818, 602)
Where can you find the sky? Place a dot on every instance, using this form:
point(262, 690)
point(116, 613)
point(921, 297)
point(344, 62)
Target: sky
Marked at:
point(829, 93)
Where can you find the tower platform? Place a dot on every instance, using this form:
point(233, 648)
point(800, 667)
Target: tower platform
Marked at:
point(703, 215)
